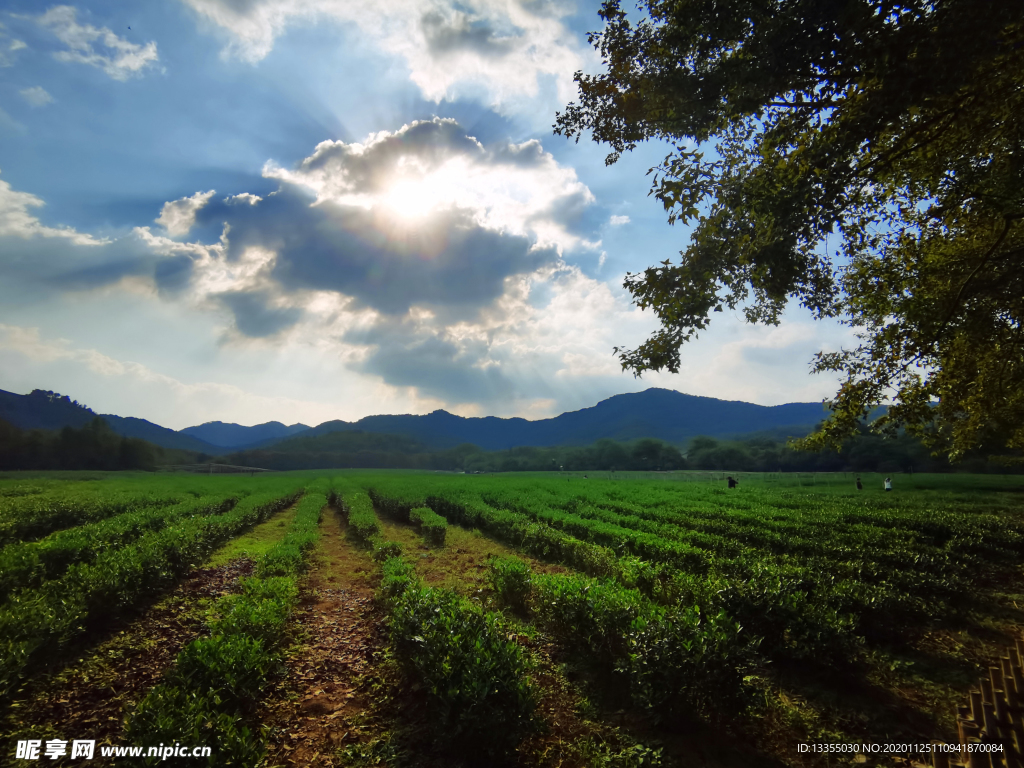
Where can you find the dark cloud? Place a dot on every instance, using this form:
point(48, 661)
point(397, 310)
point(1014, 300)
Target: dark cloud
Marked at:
point(173, 274)
point(448, 259)
point(100, 275)
point(570, 210)
point(529, 154)
point(57, 263)
point(445, 35)
point(254, 317)
point(435, 366)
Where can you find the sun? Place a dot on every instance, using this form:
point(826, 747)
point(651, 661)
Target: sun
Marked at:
point(410, 200)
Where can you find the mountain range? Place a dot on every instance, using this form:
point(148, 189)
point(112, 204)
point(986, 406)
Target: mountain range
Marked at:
point(236, 436)
point(659, 413)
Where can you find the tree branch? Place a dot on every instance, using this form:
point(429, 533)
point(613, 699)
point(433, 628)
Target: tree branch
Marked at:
point(1007, 223)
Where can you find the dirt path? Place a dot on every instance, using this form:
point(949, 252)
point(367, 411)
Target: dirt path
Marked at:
point(90, 697)
point(320, 704)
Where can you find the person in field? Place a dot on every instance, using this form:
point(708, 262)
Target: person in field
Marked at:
point(732, 483)
point(888, 484)
point(860, 485)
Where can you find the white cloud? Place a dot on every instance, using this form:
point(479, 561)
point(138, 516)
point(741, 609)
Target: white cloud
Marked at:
point(505, 47)
point(178, 216)
point(618, 221)
point(17, 221)
point(127, 388)
point(245, 197)
point(769, 365)
point(8, 47)
point(97, 47)
point(434, 165)
point(36, 96)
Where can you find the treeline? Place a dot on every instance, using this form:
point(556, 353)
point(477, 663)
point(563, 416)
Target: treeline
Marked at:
point(94, 446)
point(865, 452)
point(452, 459)
point(605, 454)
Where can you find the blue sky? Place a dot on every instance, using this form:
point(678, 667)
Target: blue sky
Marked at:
point(304, 210)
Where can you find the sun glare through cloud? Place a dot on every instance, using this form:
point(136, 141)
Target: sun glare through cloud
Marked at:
point(410, 200)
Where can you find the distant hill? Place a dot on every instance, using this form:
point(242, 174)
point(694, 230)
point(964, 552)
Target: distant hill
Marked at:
point(43, 410)
point(659, 413)
point(50, 410)
point(236, 436)
point(129, 426)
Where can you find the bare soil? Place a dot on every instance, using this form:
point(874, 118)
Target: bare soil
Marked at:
point(321, 703)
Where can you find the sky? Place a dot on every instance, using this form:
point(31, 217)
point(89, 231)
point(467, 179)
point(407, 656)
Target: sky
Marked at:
point(304, 210)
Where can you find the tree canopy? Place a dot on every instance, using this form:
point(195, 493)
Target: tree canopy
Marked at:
point(864, 158)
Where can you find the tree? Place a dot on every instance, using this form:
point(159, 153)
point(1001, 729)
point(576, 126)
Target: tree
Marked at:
point(893, 129)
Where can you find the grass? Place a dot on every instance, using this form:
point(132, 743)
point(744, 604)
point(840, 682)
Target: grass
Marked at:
point(257, 542)
point(461, 565)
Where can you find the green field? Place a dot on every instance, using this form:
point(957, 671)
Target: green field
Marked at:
point(607, 619)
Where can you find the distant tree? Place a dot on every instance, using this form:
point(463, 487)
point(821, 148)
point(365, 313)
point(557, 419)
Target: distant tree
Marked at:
point(702, 443)
point(94, 446)
point(610, 455)
point(884, 135)
point(646, 454)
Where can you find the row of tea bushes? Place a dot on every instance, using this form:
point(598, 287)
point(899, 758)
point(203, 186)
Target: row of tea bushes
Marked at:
point(472, 673)
point(672, 658)
point(433, 527)
point(359, 513)
point(28, 564)
point(514, 528)
point(209, 695)
point(37, 622)
point(28, 518)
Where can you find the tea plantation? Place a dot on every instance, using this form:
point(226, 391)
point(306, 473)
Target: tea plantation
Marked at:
point(535, 619)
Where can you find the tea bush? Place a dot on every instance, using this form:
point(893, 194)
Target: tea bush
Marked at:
point(510, 578)
point(433, 527)
point(673, 658)
point(474, 675)
point(360, 515)
point(397, 576)
point(382, 549)
point(29, 564)
point(392, 507)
